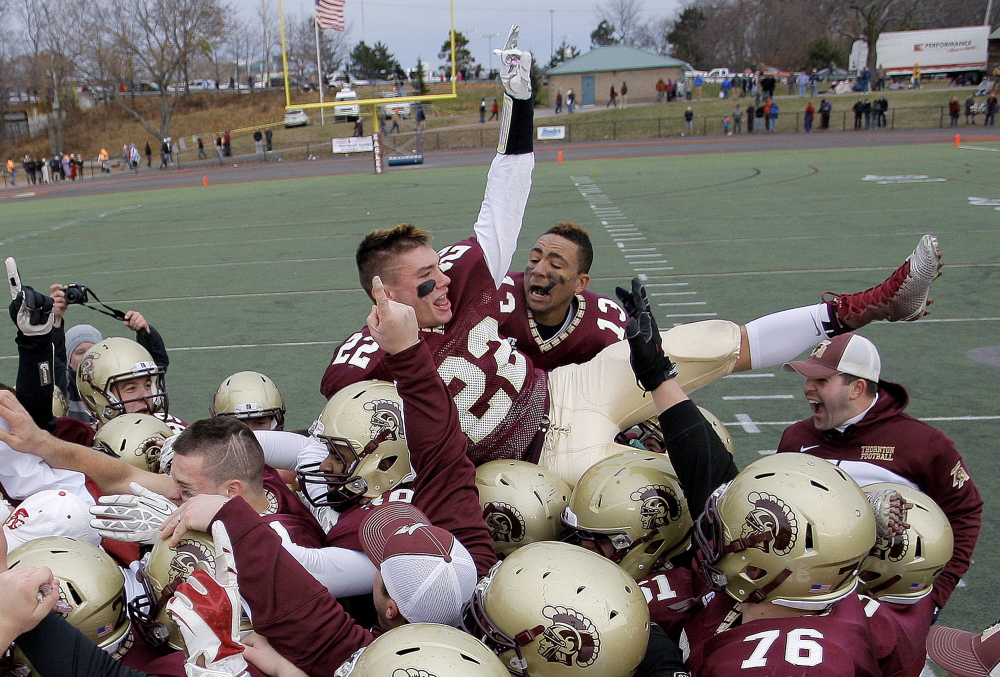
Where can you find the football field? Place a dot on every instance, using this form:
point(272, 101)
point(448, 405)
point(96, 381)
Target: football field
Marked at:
point(260, 275)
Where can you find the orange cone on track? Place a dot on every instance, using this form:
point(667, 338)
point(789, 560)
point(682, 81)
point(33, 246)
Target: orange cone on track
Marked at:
point(560, 157)
point(204, 181)
point(958, 140)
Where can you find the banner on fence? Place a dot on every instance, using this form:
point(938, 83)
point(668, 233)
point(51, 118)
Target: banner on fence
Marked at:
point(551, 133)
point(353, 144)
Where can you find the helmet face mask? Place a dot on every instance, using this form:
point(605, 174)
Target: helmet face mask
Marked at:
point(362, 428)
point(110, 369)
point(249, 396)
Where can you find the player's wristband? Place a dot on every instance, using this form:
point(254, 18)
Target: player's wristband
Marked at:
point(516, 126)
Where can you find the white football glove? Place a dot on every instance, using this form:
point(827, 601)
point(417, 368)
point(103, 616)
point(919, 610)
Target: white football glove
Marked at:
point(515, 72)
point(167, 454)
point(135, 517)
point(890, 510)
point(206, 608)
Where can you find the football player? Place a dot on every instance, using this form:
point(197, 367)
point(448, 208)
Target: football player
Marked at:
point(565, 419)
point(555, 320)
point(252, 398)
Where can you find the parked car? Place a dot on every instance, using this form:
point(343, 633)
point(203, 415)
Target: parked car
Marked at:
point(347, 111)
point(296, 117)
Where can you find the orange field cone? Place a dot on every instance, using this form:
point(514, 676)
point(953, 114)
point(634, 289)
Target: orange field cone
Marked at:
point(204, 181)
point(560, 157)
point(958, 140)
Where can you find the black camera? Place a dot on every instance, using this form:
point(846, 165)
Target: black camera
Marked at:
point(76, 294)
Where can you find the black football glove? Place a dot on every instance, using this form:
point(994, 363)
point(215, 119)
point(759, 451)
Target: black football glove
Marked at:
point(31, 311)
point(650, 364)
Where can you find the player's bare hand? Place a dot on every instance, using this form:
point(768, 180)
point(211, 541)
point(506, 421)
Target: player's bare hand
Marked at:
point(135, 321)
point(197, 513)
point(23, 435)
point(265, 658)
point(393, 325)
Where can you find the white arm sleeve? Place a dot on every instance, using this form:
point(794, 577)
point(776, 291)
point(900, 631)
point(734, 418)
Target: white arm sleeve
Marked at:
point(499, 224)
point(282, 449)
point(344, 572)
point(25, 474)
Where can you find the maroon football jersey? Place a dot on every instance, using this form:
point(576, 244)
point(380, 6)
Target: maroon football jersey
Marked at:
point(899, 633)
point(594, 323)
point(833, 644)
point(286, 508)
point(501, 397)
point(663, 589)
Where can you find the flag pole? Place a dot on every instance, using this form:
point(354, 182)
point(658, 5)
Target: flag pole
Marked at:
point(319, 73)
point(284, 53)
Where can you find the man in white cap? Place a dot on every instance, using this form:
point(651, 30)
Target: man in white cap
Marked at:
point(858, 423)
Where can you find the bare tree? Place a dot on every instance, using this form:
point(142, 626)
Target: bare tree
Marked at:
point(301, 36)
point(625, 15)
point(155, 40)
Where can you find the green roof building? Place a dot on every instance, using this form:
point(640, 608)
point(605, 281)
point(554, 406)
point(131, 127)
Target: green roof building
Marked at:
point(591, 75)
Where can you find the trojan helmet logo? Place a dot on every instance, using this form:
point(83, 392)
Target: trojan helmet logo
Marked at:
point(771, 514)
point(659, 505)
point(892, 549)
point(86, 369)
point(412, 672)
point(570, 640)
point(385, 416)
point(820, 349)
point(504, 521)
point(189, 553)
point(149, 450)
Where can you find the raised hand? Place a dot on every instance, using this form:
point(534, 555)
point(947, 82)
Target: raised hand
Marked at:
point(650, 364)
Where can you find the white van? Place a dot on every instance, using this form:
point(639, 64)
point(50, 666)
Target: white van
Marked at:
point(350, 112)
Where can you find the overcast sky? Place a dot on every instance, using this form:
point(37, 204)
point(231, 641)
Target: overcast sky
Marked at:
point(417, 28)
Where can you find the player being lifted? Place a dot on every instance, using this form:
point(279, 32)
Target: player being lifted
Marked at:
point(565, 419)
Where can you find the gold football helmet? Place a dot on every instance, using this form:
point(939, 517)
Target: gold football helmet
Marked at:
point(556, 610)
point(90, 581)
point(790, 529)
point(162, 570)
point(133, 438)
point(903, 570)
point(362, 426)
point(113, 361)
point(249, 395)
point(425, 649)
point(634, 499)
point(522, 503)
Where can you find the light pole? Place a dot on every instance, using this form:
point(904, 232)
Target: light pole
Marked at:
point(489, 37)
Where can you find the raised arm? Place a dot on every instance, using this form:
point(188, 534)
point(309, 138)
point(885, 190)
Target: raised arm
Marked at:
point(509, 180)
point(111, 474)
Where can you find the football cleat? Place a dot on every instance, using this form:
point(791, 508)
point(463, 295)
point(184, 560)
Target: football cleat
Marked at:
point(903, 297)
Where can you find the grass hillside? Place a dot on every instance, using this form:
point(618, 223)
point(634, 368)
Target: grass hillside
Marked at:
point(209, 113)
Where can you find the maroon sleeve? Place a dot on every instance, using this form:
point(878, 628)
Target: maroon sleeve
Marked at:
point(291, 608)
point(358, 358)
point(951, 487)
point(445, 486)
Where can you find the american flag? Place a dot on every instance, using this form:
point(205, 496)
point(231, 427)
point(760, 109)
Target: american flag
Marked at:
point(330, 14)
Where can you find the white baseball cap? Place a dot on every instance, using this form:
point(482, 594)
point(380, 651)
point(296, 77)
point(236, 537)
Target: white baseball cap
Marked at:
point(49, 513)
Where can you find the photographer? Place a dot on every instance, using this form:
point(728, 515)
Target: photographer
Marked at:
point(70, 345)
